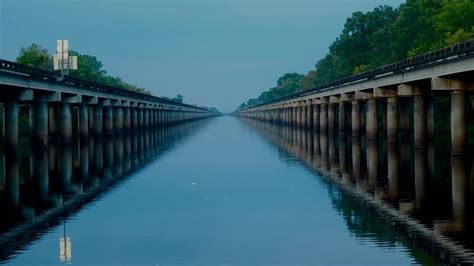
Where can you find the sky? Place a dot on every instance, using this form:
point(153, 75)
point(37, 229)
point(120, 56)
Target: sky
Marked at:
point(213, 52)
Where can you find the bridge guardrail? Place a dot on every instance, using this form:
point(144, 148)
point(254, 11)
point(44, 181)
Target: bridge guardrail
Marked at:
point(457, 50)
point(40, 74)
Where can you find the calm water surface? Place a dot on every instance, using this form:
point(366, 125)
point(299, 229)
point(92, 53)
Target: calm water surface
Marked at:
point(219, 192)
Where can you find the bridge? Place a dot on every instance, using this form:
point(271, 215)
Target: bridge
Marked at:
point(385, 96)
point(100, 109)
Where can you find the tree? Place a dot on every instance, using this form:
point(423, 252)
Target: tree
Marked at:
point(178, 98)
point(35, 56)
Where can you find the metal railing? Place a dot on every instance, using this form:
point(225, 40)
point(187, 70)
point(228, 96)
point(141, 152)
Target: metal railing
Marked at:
point(53, 77)
point(448, 53)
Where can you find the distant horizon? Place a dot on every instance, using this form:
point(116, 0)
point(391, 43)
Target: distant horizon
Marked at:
point(216, 54)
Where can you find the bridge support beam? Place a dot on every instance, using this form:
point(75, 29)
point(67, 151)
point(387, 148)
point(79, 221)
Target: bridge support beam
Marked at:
point(98, 120)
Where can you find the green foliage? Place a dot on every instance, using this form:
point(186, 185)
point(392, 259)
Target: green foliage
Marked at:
point(385, 35)
point(88, 67)
point(178, 98)
point(35, 56)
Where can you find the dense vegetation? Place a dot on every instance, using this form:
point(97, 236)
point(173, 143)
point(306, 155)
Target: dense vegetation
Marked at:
point(382, 36)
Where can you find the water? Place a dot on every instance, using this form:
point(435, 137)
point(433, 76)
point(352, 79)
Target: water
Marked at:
point(219, 191)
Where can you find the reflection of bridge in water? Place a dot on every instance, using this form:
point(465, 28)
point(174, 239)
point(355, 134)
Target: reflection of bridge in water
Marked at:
point(422, 194)
point(42, 186)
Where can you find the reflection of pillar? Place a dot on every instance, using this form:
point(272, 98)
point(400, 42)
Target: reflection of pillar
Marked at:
point(332, 155)
point(460, 188)
point(372, 123)
point(392, 170)
point(392, 125)
point(304, 115)
point(429, 118)
point(65, 167)
point(458, 122)
point(84, 159)
point(355, 117)
point(118, 156)
point(11, 124)
point(65, 121)
point(343, 158)
point(83, 121)
point(323, 146)
point(12, 176)
point(372, 162)
point(40, 174)
point(419, 121)
point(40, 123)
point(420, 178)
point(356, 158)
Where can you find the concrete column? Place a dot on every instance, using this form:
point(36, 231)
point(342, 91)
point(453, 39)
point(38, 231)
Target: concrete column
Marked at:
point(83, 121)
point(309, 114)
point(316, 117)
point(118, 123)
point(109, 124)
point(355, 117)
point(404, 119)
point(331, 117)
point(458, 122)
point(65, 121)
point(11, 124)
point(429, 117)
point(40, 123)
point(372, 123)
point(342, 117)
point(52, 120)
point(323, 117)
point(392, 125)
point(140, 118)
point(146, 121)
point(134, 118)
point(98, 120)
point(419, 121)
point(127, 117)
point(303, 115)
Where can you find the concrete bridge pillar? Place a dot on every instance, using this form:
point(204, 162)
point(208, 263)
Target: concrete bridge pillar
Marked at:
point(458, 122)
point(40, 123)
point(331, 117)
point(323, 117)
point(118, 123)
point(83, 120)
point(11, 124)
point(140, 118)
point(404, 113)
point(295, 113)
point(108, 117)
point(355, 117)
point(392, 121)
point(127, 119)
point(98, 120)
point(372, 123)
point(342, 117)
point(65, 121)
point(315, 116)
point(303, 109)
point(429, 117)
point(419, 118)
point(309, 114)
point(52, 120)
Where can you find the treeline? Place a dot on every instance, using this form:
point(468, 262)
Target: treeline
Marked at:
point(88, 67)
point(380, 37)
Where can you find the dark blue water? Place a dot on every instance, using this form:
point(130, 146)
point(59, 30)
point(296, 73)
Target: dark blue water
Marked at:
point(222, 195)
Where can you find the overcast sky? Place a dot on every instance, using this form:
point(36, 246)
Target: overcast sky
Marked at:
point(214, 52)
